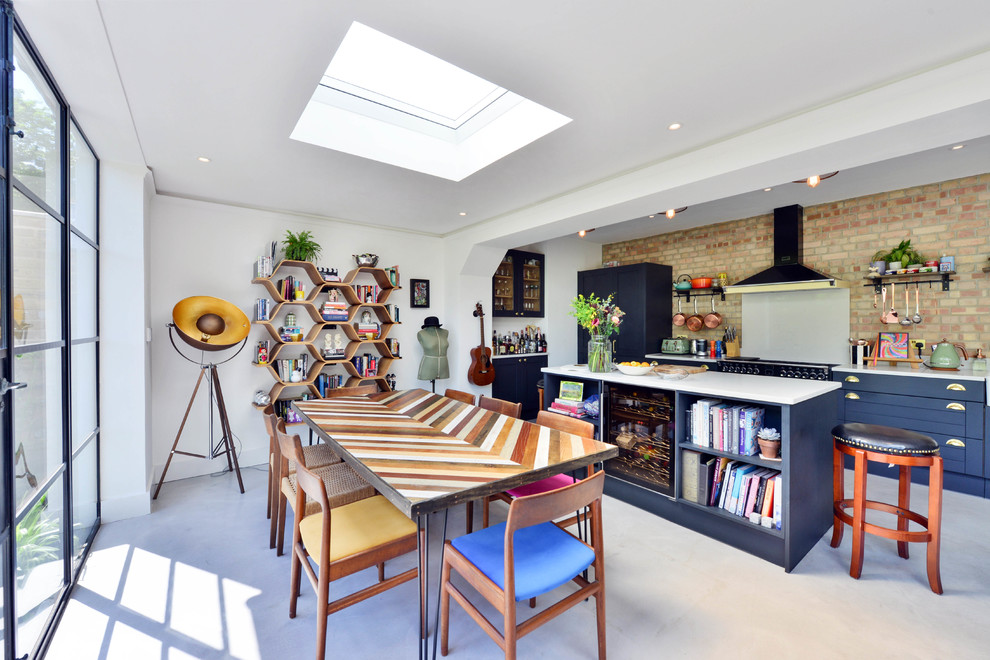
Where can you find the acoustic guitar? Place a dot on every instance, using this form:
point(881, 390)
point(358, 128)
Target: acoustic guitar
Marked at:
point(481, 371)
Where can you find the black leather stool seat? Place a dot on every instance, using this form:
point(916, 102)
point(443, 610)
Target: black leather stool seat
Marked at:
point(884, 439)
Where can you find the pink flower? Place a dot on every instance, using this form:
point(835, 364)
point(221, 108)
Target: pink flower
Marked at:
point(615, 320)
point(594, 323)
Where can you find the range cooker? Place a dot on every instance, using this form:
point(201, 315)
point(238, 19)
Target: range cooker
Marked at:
point(778, 368)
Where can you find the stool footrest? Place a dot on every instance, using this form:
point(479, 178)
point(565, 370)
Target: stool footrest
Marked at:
point(887, 532)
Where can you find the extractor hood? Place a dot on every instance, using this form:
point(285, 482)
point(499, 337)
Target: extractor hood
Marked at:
point(787, 272)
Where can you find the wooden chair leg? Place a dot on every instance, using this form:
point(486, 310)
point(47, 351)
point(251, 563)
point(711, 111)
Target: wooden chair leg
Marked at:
point(295, 568)
point(600, 620)
point(859, 515)
point(485, 503)
point(934, 523)
point(381, 572)
point(280, 524)
point(838, 494)
point(444, 605)
point(268, 506)
point(510, 632)
point(904, 504)
point(468, 517)
point(322, 607)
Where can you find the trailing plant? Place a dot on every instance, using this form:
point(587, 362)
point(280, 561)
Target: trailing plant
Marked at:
point(37, 540)
point(903, 253)
point(301, 246)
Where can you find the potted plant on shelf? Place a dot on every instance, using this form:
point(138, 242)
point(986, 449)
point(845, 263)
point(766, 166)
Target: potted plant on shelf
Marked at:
point(902, 255)
point(601, 318)
point(769, 441)
point(301, 246)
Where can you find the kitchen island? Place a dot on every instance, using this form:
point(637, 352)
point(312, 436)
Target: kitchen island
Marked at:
point(649, 474)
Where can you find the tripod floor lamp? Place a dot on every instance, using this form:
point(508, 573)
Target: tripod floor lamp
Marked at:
point(209, 324)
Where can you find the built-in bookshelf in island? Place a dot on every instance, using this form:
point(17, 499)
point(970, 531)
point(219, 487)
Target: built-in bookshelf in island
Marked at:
point(325, 334)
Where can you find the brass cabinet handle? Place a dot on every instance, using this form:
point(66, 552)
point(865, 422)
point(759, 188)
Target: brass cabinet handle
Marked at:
point(956, 406)
point(955, 443)
point(956, 387)
point(852, 395)
point(851, 379)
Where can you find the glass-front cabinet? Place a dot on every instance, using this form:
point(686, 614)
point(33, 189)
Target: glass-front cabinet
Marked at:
point(517, 285)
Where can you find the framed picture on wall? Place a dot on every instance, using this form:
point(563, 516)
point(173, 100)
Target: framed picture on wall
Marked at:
point(419, 294)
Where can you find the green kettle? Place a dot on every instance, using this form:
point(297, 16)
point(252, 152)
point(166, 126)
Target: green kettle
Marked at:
point(944, 355)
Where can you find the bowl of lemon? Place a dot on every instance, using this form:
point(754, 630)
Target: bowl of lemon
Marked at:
point(634, 368)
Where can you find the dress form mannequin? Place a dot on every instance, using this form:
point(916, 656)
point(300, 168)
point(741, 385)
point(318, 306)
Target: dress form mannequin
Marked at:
point(433, 339)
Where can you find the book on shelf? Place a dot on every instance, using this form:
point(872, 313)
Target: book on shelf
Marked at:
point(571, 390)
point(706, 468)
point(263, 267)
point(690, 460)
point(766, 512)
point(751, 425)
point(554, 407)
point(263, 309)
point(739, 478)
point(573, 406)
point(753, 486)
point(777, 502)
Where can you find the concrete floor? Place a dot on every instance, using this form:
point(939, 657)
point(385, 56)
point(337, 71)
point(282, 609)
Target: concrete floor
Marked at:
point(195, 579)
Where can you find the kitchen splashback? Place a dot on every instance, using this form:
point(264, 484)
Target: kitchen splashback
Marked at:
point(811, 326)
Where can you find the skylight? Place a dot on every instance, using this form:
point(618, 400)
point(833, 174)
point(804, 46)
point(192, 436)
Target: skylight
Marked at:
point(383, 99)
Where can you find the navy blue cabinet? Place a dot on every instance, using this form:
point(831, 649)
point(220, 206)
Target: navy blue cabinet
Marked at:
point(516, 380)
point(950, 410)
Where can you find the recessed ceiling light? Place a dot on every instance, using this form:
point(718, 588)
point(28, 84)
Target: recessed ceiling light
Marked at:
point(767, 189)
point(673, 127)
point(203, 159)
point(958, 146)
point(463, 213)
point(651, 216)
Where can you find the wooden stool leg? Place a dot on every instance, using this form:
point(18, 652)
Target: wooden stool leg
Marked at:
point(904, 504)
point(934, 523)
point(859, 515)
point(838, 494)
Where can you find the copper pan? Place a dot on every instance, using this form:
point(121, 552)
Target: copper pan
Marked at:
point(695, 321)
point(714, 319)
point(680, 317)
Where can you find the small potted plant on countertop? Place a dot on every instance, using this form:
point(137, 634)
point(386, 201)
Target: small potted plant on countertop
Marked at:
point(769, 440)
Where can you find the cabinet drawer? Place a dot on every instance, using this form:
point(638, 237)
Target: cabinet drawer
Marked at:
point(962, 418)
point(956, 389)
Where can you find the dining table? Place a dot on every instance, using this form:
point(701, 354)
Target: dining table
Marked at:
point(425, 452)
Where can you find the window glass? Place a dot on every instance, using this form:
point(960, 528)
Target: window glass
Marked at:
point(39, 572)
point(84, 496)
point(83, 392)
point(36, 157)
point(37, 420)
point(82, 275)
point(82, 184)
point(37, 269)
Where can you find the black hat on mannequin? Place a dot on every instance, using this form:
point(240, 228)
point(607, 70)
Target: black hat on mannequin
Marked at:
point(432, 322)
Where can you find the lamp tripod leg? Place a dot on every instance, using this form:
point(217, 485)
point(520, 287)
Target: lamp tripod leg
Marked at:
point(228, 438)
point(172, 453)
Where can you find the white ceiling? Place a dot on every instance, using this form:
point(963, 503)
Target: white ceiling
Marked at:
point(767, 92)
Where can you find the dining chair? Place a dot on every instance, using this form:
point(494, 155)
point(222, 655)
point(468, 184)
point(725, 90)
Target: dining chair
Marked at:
point(314, 456)
point(552, 420)
point(524, 557)
point(357, 390)
point(342, 540)
point(501, 406)
point(342, 484)
point(457, 395)
point(505, 408)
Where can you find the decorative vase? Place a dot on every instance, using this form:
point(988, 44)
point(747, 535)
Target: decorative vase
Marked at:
point(599, 355)
point(881, 267)
point(769, 448)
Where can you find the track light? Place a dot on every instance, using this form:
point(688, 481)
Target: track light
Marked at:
point(815, 179)
point(672, 212)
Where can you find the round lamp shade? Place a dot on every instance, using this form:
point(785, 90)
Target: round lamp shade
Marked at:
point(208, 323)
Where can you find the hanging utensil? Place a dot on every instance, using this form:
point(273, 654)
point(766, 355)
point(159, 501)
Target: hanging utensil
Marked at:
point(906, 321)
point(680, 317)
point(874, 297)
point(714, 319)
point(695, 321)
point(917, 317)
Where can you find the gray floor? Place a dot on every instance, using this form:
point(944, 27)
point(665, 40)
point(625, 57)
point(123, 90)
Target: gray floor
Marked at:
point(195, 579)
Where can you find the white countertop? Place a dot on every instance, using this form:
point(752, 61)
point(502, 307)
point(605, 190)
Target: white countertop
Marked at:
point(964, 373)
point(785, 391)
point(680, 356)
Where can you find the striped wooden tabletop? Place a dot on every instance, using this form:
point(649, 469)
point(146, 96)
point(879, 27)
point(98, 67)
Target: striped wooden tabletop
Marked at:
point(426, 452)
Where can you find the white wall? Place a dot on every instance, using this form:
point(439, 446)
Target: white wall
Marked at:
point(200, 248)
point(124, 361)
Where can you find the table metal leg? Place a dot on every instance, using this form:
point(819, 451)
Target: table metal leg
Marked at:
point(436, 617)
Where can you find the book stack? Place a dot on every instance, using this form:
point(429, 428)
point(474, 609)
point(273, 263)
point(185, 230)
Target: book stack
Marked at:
point(725, 427)
point(393, 312)
point(393, 276)
point(327, 382)
point(284, 368)
point(568, 407)
point(368, 330)
point(334, 310)
point(745, 490)
point(393, 346)
point(697, 474)
point(263, 267)
point(366, 365)
point(262, 309)
point(291, 289)
point(367, 293)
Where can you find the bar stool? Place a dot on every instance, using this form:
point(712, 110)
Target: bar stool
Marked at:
point(906, 449)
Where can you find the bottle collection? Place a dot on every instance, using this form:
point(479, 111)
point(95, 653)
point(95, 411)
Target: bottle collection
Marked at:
point(530, 340)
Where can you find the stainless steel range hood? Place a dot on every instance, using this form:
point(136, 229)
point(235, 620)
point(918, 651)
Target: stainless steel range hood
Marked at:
point(787, 272)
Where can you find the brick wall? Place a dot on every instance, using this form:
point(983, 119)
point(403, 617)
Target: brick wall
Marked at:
point(951, 217)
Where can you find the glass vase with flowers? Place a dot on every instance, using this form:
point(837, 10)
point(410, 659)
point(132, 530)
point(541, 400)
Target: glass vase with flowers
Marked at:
point(601, 318)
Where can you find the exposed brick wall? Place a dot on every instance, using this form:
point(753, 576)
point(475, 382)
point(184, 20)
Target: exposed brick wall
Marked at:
point(951, 217)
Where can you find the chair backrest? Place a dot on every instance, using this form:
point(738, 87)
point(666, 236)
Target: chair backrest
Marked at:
point(544, 507)
point(309, 484)
point(501, 406)
point(357, 390)
point(457, 395)
point(580, 427)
